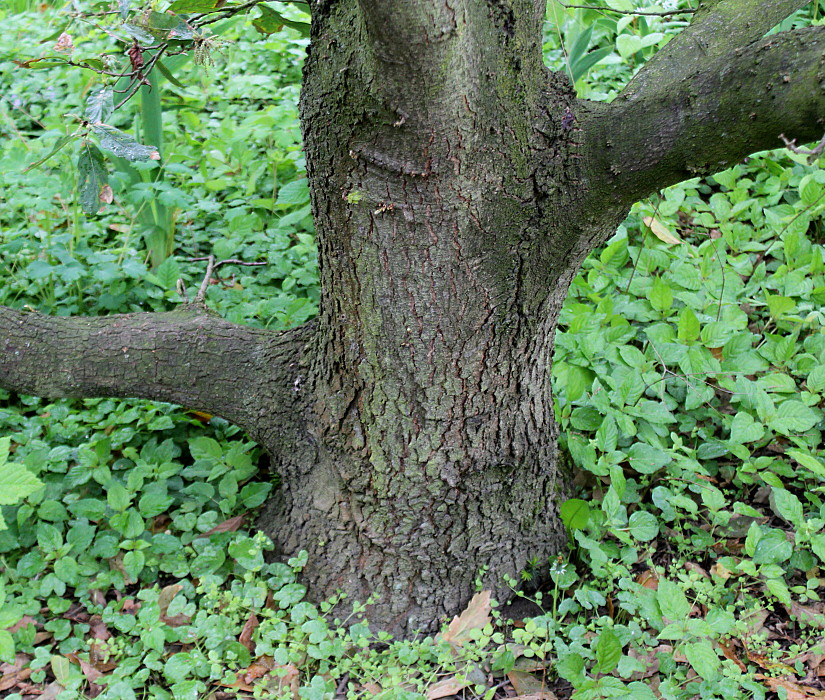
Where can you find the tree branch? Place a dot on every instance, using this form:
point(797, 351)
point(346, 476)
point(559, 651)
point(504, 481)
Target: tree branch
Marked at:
point(738, 104)
point(188, 357)
point(718, 27)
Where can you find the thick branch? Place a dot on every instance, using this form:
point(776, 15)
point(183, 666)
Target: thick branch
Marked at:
point(739, 104)
point(718, 27)
point(188, 357)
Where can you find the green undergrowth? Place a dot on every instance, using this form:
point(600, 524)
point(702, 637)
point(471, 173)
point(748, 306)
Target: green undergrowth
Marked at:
point(690, 375)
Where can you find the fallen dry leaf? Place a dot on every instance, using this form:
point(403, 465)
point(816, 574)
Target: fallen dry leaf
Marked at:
point(446, 687)
point(794, 690)
point(476, 616)
point(12, 674)
point(811, 615)
point(528, 685)
point(248, 630)
point(230, 525)
point(165, 599)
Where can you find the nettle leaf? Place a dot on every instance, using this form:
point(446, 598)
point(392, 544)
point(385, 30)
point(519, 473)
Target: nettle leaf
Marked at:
point(92, 177)
point(16, 482)
point(295, 192)
point(702, 656)
point(793, 416)
point(787, 506)
point(772, 548)
point(672, 601)
point(122, 145)
point(744, 428)
point(608, 651)
point(809, 461)
point(100, 105)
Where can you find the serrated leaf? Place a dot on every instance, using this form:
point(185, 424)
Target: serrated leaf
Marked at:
point(787, 506)
point(92, 177)
point(703, 658)
point(122, 145)
point(16, 483)
point(672, 601)
point(295, 192)
point(100, 105)
point(608, 651)
point(808, 461)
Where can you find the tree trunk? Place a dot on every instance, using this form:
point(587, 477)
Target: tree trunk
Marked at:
point(457, 185)
point(430, 380)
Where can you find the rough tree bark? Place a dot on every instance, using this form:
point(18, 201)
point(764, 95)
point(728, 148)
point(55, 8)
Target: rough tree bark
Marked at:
point(457, 184)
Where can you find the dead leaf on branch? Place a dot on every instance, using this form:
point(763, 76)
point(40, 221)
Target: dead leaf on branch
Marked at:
point(661, 231)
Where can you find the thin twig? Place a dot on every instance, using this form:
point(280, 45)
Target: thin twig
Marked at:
point(210, 270)
point(812, 154)
point(207, 278)
point(663, 13)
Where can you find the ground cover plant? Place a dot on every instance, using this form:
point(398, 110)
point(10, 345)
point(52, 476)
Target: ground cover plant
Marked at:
point(689, 387)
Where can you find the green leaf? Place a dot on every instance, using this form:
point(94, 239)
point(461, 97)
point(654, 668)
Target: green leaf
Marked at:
point(672, 601)
point(779, 590)
point(6, 647)
point(628, 44)
point(118, 497)
point(744, 428)
point(772, 548)
point(294, 193)
point(793, 416)
point(58, 145)
point(183, 6)
point(99, 105)
point(808, 461)
point(575, 513)
point(646, 459)
point(608, 651)
point(643, 526)
point(787, 506)
point(702, 656)
point(92, 177)
point(688, 328)
point(16, 483)
point(271, 21)
point(122, 145)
